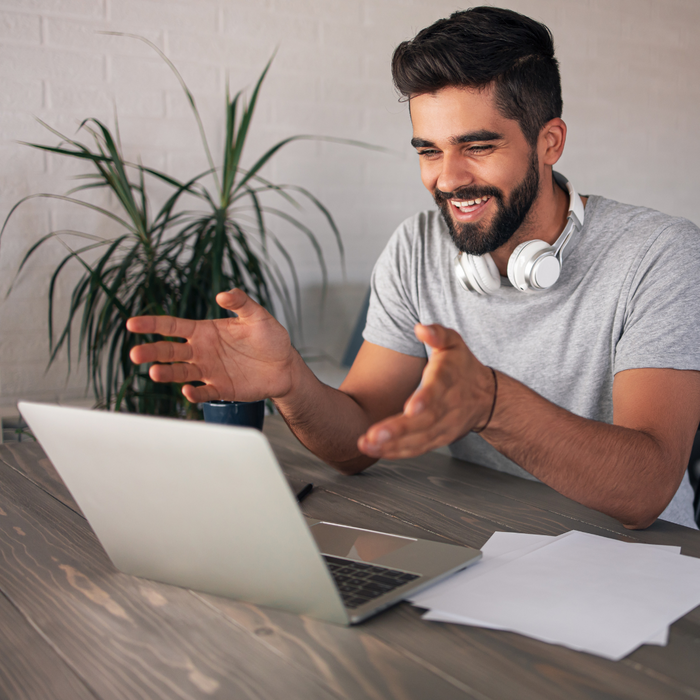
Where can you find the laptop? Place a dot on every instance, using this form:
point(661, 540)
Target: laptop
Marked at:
point(207, 507)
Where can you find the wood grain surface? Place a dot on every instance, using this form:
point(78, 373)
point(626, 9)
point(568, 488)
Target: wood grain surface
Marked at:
point(126, 637)
point(71, 626)
point(481, 496)
point(29, 666)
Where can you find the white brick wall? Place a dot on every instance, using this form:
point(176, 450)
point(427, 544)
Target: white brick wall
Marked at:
point(631, 98)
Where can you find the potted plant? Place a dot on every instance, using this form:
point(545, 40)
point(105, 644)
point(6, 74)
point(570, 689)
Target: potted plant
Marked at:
point(173, 260)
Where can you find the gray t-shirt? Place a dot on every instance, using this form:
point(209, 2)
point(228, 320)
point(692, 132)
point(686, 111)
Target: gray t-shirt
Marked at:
point(628, 297)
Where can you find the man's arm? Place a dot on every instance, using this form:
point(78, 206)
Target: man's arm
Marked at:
point(250, 357)
point(329, 422)
point(629, 470)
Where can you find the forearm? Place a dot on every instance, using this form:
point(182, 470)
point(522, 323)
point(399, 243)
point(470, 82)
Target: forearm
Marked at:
point(325, 420)
point(626, 473)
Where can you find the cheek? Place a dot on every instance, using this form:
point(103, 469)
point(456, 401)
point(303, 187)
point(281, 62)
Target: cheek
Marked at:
point(429, 174)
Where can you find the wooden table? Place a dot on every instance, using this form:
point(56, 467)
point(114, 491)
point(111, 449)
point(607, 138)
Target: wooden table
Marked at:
point(71, 626)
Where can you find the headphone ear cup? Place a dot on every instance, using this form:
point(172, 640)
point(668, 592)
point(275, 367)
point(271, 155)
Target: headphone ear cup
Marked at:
point(478, 273)
point(545, 271)
point(489, 276)
point(531, 260)
point(512, 260)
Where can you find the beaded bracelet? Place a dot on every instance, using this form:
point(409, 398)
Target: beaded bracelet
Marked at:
point(493, 405)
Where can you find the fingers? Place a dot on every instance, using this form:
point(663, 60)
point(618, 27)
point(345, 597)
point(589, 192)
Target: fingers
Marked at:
point(162, 325)
point(429, 400)
point(436, 336)
point(200, 394)
point(180, 373)
point(418, 400)
point(239, 302)
point(162, 351)
point(399, 437)
point(406, 429)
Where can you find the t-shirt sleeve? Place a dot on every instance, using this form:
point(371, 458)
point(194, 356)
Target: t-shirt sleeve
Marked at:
point(393, 308)
point(662, 315)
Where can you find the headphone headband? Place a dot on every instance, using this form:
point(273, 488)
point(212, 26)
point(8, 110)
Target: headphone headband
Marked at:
point(574, 221)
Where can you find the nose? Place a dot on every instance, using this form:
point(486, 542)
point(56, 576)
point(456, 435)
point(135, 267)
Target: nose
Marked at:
point(454, 173)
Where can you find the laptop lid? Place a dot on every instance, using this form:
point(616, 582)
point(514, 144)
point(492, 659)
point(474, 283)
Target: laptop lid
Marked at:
point(184, 503)
point(207, 507)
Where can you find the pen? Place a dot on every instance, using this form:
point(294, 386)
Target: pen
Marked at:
point(304, 492)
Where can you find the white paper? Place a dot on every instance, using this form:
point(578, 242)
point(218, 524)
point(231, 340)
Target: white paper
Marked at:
point(586, 592)
point(658, 638)
point(501, 548)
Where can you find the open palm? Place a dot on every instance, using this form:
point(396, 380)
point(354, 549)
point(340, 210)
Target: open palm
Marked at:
point(239, 359)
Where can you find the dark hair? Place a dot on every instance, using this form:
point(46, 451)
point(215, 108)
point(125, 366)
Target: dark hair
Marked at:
point(482, 46)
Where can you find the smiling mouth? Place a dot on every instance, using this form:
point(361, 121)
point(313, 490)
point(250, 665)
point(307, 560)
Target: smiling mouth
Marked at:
point(467, 206)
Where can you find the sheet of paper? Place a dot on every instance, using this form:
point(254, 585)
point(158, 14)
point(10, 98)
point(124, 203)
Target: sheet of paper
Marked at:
point(586, 592)
point(508, 543)
point(501, 548)
point(658, 638)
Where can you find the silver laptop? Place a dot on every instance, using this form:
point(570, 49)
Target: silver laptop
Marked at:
point(207, 507)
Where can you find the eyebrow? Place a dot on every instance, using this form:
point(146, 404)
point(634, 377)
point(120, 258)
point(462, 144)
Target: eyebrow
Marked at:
point(481, 135)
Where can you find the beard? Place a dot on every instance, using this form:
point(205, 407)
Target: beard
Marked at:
point(480, 237)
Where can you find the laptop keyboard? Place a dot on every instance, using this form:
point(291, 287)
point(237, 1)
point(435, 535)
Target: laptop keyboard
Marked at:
point(359, 582)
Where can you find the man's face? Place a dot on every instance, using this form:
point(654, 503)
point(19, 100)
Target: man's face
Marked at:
point(477, 164)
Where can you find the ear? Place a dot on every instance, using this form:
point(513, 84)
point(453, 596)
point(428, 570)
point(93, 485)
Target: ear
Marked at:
point(550, 143)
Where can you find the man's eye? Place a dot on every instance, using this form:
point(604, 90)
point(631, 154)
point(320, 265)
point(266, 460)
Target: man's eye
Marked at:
point(428, 153)
point(480, 149)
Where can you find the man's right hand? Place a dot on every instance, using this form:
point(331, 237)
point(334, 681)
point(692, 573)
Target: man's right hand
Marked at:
point(239, 359)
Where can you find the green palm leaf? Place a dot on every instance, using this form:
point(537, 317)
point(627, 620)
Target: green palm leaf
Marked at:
point(170, 259)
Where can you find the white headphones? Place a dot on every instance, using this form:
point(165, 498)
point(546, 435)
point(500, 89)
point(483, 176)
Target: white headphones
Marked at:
point(533, 266)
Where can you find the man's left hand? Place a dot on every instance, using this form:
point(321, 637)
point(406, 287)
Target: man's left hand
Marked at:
point(455, 396)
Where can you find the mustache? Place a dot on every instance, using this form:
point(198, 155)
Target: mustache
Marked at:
point(465, 193)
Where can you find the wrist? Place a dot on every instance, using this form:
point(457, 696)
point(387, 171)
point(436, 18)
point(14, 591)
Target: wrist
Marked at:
point(295, 369)
point(489, 404)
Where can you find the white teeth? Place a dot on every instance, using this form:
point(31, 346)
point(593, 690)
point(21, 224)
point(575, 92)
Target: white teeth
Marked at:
point(470, 202)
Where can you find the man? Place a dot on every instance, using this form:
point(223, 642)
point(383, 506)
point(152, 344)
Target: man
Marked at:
point(591, 386)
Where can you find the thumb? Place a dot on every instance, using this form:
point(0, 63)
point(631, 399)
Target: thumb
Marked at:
point(435, 335)
point(238, 301)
